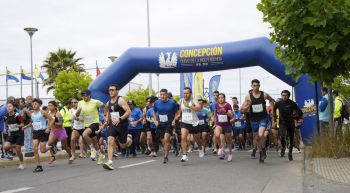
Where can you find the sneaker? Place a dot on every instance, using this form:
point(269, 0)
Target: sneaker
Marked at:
point(176, 152)
point(290, 156)
point(219, 151)
point(54, 149)
point(283, 150)
point(190, 149)
point(222, 156)
point(165, 160)
point(215, 151)
point(108, 165)
point(260, 157)
point(229, 157)
point(20, 167)
point(38, 169)
point(71, 159)
point(82, 156)
point(52, 159)
point(184, 158)
point(115, 155)
point(93, 155)
point(264, 154)
point(201, 153)
point(253, 155)
point(154, 154)
point(147, 152)
point(101, 159)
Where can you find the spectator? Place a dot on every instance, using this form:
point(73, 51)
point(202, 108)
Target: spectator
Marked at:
point(338, 103)
point(324, 112)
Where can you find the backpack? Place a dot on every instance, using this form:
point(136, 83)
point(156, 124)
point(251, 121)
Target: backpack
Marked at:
point(344, 111)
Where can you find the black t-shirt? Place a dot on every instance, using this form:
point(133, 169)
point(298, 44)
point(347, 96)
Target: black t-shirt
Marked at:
point(288, 110)
point(13, 119)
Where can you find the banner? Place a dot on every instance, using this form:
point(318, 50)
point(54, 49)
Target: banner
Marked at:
point(185, 81)
point(10, 76)
point(198, 86)
point(98, 71)
point(213, 86)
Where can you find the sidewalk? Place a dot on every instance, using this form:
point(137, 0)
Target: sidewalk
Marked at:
point(326, 174)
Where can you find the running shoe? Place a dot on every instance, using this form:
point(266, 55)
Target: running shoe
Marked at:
point(201, 153)
point(52, 159)
point(38, 169)
point(147, 152)
point(93, 155)
point(165, 160)
point(108, 165)
point(220, 151)
point(71, 159)
point(253, 155)
point(115, 155)
point(229, 157)
point(20, 167)
point(184, 158)
point(290, 156)
point(82, 156)
point(101, 159)
point(222, 156)
point(54, 149)
point(283, 150)
point(214, 151)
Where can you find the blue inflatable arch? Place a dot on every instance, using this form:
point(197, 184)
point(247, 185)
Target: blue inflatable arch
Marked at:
point(252, 52)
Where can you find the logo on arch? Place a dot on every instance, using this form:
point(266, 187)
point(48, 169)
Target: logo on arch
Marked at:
point(167, 60)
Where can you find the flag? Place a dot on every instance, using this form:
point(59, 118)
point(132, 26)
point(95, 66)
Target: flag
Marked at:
point(10, 76)
point(24, 75)
point(37, 74)
point(213, 85)
point(198, 86)
point(98, 72)
point(185, 81)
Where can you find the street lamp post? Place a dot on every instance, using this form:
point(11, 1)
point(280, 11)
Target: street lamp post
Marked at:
point(158, 83)
point(31, 31)
point(149, 45)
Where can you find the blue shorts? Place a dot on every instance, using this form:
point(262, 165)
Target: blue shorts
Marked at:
point(256, 125)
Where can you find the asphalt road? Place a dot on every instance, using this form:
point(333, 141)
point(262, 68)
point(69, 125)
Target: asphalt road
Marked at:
point(150, 175)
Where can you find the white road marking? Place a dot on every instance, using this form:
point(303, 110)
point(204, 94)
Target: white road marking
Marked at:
point(136, 164)
point(17, 190)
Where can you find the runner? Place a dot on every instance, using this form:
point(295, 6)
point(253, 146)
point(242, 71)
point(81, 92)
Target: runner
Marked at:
point(189, 122)
point(164, 118)
point(151, 131)
point(255, 102)
point(89, 109)
point(204, 117)
point(67, 120)
point(40, 132)
point(145, 128)
point(57, 132)
point(101, 137)
point(212, 110)
point(117, 114)
point(238, 127)
point(78, 129)
point(224, 119)
point(135, 126)
point(15, 136)
point(288, 112)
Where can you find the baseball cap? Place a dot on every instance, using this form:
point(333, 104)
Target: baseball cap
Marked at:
point(86, 92)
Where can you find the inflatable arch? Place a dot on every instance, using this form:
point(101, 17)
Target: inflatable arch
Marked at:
point(252, 52)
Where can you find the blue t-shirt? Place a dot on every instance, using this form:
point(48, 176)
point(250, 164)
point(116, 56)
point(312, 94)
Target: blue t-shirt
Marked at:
point(135, 115)
point(165, 111)
point(3, 111)
point(212, 106)
point(149, 115)
point(203, 116)
point(238, 124)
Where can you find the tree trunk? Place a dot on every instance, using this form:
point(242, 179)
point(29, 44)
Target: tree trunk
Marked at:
point(331, 109)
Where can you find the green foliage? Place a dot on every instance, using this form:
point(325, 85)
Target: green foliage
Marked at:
point(312, 36)
point(69, 84)
point(139, 95)
point(177, 98)
point(342, 84)
point(58, 61)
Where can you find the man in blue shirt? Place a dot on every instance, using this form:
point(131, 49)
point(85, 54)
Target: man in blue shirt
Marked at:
point(324, 114)
point(212, 109)
point(135, 126)
point(151, 132)
point(164, 118)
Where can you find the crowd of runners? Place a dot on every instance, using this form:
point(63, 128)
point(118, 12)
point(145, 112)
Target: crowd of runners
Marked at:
point(120, 128)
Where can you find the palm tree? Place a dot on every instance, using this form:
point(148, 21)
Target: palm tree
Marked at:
point(58, 61)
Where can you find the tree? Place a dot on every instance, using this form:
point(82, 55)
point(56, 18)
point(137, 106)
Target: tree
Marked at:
point(312, 37)
point(139, 95)
point(58, 61)
point(342, 84)
point(68, 85)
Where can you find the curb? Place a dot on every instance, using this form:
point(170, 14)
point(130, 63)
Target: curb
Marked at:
point(308, 181)
point(30, 160)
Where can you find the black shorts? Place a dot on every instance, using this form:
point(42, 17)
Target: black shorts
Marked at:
point(226, 130)
point(119, 132)
point(162, 129)
point(204, 128)
point(145, 128)
point(40, 135)
point(94, 127)
point(16, 137)
point(80, 131)
point(191, 129)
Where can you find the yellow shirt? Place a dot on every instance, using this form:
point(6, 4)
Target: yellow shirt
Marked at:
point(67, 117)
point(89, 110)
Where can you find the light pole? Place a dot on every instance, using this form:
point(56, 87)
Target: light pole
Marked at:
point(31, 31)
point(264, 81)
point(158, 83)
point(149, 45)
point(240, 84)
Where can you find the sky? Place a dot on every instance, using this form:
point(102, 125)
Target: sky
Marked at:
point(98, 29)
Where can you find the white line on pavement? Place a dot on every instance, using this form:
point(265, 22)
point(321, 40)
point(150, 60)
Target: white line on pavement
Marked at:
point(17, 190)
point(131, 165)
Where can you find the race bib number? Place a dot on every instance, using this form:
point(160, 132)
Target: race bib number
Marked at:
point(78, 125)
point(131, 120)
point(201, 122)
point(222, 118)
point(115, 116)
point(37, 126)
point(187, 117)
point(88, 119)
point(257, 108)
point(238, 124)
point(163, 118)
point(13, 127)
